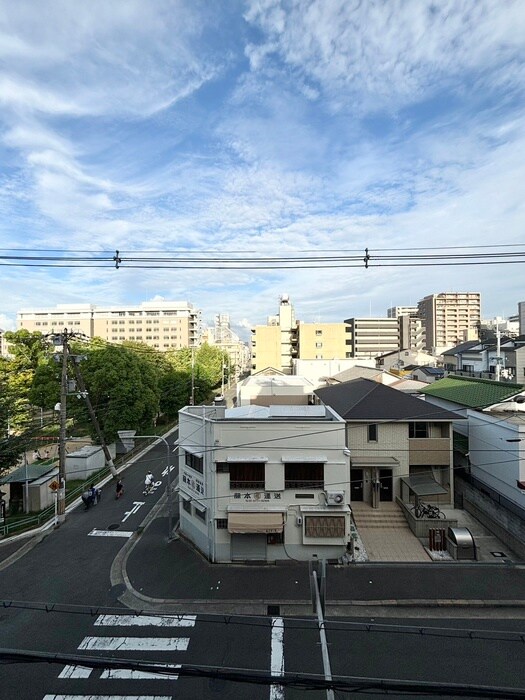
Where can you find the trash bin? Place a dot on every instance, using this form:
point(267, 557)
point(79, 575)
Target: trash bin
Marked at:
point(460, 543)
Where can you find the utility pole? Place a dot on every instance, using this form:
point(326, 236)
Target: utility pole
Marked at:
point(83, 392)
point(192, 397)
point(61, 503)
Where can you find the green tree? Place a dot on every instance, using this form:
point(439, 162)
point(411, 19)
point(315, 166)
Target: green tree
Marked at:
point(123, 388)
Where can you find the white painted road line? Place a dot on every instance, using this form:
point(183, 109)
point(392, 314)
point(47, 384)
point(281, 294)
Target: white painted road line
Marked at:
point(107, 697)
point(128, 674)
point(136, 506)
point(110, 533)
point(146, 620)
point(75, 672)
point(135, 643)
point(277, 657)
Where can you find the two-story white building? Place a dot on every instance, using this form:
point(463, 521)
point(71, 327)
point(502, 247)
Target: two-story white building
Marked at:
point(264, 482)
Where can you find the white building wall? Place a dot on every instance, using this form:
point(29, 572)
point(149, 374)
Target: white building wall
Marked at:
point(272, 442)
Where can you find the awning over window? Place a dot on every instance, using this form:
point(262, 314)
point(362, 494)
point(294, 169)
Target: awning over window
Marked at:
point(192, 449)
point(199, 506)
point(423, 486)
point(303, 457)
point(232, 459)
point(255, 522)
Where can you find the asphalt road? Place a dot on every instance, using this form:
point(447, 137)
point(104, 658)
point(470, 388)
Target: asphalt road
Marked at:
point(59, 599)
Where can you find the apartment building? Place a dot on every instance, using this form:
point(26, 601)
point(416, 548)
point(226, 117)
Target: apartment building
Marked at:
point(164, 325)
point(521, 317)
point(372, 336)
point(275, 344)
point(449, 318)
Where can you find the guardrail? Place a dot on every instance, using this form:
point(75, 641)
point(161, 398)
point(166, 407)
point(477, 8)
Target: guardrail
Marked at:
point(7, 529)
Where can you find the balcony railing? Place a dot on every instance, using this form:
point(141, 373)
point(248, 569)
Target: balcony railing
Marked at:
point(251, 485)
point(308, 484)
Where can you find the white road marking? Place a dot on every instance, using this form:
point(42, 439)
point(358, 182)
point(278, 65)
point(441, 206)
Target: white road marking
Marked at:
point(146, 620)
point(75, 672)
point(110, 533)
point(136, 506)
point(128, 674)
point(135, 643)
point(107, 697)
point(165, 472)
point(277, 657)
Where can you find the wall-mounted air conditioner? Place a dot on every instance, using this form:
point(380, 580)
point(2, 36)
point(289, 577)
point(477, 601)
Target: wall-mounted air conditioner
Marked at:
point(335, 498)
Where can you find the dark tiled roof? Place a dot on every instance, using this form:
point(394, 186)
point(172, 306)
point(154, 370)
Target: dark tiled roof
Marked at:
point(29, 473)
point(366, 400)
point(463, 347)
point(471, 392)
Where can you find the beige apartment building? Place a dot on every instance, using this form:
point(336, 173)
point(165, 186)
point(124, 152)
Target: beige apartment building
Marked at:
point(284, 339)
point(164, 325)
point(450, 318)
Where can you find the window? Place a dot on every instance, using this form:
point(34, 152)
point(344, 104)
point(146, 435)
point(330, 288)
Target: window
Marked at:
point(275, 538)
point(186, 505)
point(418, 430)
point(221, 523)
point(194, 462)
point(318, 332)
point(308, 475)
point(324, 526)
point(222, 468)
point(318, 345)
point(201, 514)
point(247, 475)
point(372, 432)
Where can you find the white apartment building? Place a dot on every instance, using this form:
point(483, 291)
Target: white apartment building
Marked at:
point(222, 336)
point(450, 318)
point(264, 482)
point(164, 325)
point(373, 336)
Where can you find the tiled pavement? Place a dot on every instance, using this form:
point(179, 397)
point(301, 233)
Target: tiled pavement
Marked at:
point(386, 536)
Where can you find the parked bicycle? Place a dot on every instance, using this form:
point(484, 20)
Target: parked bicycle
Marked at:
point(428, 510)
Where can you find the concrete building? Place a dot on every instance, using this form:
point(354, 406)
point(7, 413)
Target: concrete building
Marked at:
point(284, 340)
point(164, 325)
point(521, 318)
point(274, 389)
point(264, 483)
point(397, 311)
point(372, 336)
point(449, 318)
point(399, 360)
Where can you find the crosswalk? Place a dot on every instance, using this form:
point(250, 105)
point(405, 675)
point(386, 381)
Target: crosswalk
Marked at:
point(115, 643)
point(150, 636)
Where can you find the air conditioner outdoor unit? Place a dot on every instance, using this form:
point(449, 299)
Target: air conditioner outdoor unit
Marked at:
point(335, 498)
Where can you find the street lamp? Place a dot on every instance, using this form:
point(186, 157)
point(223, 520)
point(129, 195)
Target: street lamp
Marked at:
point(126, 434)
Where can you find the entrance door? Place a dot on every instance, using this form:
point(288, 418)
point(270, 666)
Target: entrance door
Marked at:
point(386, 490)
point(356, 485)
point(248, 547)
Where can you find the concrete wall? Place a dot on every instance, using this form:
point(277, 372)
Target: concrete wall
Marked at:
point(506, 526)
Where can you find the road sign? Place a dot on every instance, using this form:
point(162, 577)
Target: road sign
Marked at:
point(54, 485)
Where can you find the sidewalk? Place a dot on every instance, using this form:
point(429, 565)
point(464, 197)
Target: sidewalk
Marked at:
point(161, 573)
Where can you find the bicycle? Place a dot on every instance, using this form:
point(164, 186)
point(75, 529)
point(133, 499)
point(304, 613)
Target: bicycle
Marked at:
point(427, 510)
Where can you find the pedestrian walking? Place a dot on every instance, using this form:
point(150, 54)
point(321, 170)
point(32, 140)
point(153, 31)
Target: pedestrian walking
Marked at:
point(119, 489)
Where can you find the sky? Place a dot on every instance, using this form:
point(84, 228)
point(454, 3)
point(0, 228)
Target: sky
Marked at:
point(256, 129)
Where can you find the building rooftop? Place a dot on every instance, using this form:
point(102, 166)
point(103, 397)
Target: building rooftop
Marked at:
point(472, 392)
point(366, 400)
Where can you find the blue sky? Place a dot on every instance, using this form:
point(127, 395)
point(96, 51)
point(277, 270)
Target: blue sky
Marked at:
point(267, 126)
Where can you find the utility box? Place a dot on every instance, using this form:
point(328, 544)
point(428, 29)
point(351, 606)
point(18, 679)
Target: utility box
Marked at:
point(460, 543)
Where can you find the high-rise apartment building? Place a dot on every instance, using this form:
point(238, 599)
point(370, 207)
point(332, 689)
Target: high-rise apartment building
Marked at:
point(449, 318)
point(164, 325)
